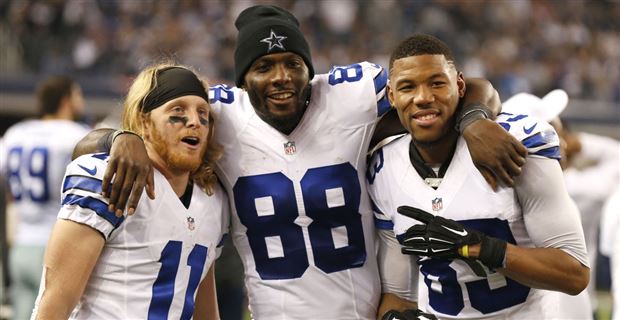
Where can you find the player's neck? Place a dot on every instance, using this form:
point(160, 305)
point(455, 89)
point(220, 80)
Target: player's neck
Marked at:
point(438, 152)
point(64, 112)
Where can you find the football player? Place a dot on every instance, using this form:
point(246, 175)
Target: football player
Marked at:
point(478, 253)
point(294, 167)
point(34, 155)
point(156, 265)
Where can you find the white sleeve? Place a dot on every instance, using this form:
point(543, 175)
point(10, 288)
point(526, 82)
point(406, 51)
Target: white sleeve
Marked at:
point(82, 201)
point(551, 217)
point(399, 272)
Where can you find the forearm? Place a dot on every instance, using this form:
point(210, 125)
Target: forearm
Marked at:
point(545, 268)
point(481, 91)
point(390, 301)
point(95, 141)
point(388, 126)
point(53, 304)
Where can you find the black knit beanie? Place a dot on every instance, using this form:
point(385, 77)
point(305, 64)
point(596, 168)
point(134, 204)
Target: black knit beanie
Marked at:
point(264, 30)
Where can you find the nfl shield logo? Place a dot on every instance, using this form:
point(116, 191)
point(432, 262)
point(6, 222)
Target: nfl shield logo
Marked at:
point(289, 148)
point(437, 204)
point(190, 223)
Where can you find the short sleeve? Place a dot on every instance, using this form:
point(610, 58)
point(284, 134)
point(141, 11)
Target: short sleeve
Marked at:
point(81, 199)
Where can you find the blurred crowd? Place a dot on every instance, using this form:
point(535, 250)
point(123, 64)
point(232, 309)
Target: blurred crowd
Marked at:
point(528, 45)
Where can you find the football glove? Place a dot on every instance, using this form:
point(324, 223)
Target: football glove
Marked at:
point(438, 237)
point(410, 314)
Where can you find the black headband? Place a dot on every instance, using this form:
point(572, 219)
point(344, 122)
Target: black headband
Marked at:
point(173, 82)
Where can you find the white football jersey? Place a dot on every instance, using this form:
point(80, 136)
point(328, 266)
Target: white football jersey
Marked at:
point(34, 157)
point(153, 261)
point(303, 224)
point(449, 288)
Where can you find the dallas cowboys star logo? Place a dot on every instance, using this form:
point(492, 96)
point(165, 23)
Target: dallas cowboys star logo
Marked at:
point(274, 41)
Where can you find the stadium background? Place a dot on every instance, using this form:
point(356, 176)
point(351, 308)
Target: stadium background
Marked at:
point(519, 45)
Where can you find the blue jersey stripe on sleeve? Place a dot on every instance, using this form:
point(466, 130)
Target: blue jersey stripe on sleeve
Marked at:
point(82, 183)
point(380, 81)
point(100, 207)
point(534, 141)
point(516, 118)
point(384, 224)
point(553, 153)
point(101, 156)
point(383, 106)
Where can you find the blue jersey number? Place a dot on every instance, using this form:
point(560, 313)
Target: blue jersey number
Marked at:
point(221, 93)
point(36, 163)
point(163, 288)
point(444, 291)
point(267, 207)
point(349, 73)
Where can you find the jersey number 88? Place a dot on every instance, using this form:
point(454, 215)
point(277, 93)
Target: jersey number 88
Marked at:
point(280, 223)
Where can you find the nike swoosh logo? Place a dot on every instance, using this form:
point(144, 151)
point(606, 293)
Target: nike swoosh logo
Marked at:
point(460, 233)
point(528, 131)
point(439, 250)
point(92, 171)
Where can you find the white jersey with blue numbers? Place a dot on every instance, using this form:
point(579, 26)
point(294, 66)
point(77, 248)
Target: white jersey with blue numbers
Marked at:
point(449, 288)
point(153, 261)
point(34, 155)
point(302, 221)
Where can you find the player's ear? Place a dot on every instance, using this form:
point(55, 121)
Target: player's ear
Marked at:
point(460, 82)
point(390, 93)
point(145, 123)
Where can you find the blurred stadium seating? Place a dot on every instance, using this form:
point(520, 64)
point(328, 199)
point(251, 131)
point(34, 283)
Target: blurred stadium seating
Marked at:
point(532, 46)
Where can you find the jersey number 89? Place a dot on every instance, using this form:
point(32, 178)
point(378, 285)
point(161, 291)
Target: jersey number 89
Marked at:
point(35, 164)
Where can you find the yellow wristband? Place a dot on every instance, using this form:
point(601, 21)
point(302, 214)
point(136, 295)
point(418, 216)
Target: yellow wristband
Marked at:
point(465, 251)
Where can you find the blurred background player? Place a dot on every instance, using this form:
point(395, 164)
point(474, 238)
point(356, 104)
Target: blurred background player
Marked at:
point(481, 254)
point(591, 165)
point(34, 156)
point(156, 264)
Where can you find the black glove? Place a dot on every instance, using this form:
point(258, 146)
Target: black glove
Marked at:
point(410, 314)
point(439, 237)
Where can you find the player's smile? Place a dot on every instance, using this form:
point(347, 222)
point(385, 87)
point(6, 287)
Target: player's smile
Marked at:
point(425, 90)
point(281, 99)
point(277, 85)
point(426, 118)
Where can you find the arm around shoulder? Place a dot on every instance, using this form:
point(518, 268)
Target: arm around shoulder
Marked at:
point(95, 141)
